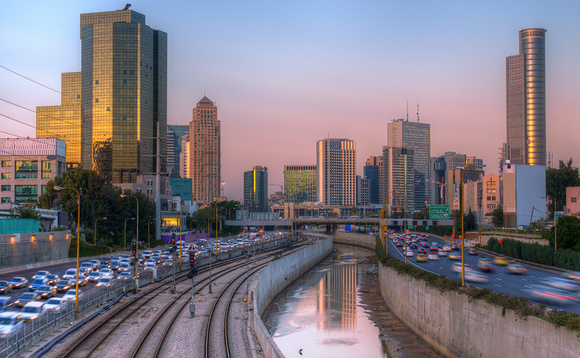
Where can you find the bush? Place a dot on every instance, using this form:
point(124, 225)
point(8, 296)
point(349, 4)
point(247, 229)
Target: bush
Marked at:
point(522, 307)
point(86, 249)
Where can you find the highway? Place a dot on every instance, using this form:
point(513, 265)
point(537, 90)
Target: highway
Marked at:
point(499, 279)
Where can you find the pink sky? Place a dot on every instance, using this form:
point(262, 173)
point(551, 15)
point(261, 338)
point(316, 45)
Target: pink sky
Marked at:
point(286, 75)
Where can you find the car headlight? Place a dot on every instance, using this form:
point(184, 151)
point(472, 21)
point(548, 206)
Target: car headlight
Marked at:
point(6, 331)
point(30, 286)
point(33, 317)
point(17, 301)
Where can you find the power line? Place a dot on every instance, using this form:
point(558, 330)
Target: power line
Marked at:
point(31, 80)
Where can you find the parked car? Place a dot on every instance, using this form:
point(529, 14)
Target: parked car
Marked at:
point(32, 310)
point(53, 279)
point(41, 274)
point(5, 287)
point(10, 323)
point(37, 283)
point(19, 282)
point(54, 304)
point(46, 291)
point(26, 298)
point(63, 285)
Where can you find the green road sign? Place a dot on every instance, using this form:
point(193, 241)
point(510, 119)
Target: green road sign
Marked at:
point(427, 227)
point(439, 212)
point(411, 227)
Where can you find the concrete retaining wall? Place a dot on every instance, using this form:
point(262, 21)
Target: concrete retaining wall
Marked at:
point(31, 248)
point(274, 279)
point(526, 238)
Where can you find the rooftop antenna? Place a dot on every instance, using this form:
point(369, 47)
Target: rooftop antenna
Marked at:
point(127, 6)
point(407, 110)
point(417, 112)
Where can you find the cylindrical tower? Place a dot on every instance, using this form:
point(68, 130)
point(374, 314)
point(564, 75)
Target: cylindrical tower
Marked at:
point(532, 44)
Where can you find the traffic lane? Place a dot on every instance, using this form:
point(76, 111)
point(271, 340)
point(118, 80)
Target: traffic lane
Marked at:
point(499, 279)
point(28, 273)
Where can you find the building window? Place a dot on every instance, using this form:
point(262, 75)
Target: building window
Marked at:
point(493, 198)
point(124, 136)
point(6, 187)
point(108, 109)
point(131, 72)
point(26, 169)
point(149, 191)
point(78, 96)
point(118, 117)
point(6, 163)
point(46, 169)
point(97, 82)
point(5, 200)
point(124, 118)
point(6, 175)
point(573, 200)
point(124, 72)
point(42, 189)
point(25, 193)
point(96, 100)
point(125, 81)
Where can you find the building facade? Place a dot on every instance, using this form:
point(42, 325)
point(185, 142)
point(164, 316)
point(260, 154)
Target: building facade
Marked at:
point(362, 191)
point(123, 97)
point(205, 152)
point(300, 183)
point(26, 166)
point(399, 173)
point(416, 136)
point(336, 171)
point(371, 172)
point(526, 100)
point(175, 134)
point(256, 189)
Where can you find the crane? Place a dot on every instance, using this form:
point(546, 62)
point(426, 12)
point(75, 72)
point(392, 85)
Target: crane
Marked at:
point(441, 185)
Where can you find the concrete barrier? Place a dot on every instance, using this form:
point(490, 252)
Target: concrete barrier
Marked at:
point(274, 279)
point(30, 248)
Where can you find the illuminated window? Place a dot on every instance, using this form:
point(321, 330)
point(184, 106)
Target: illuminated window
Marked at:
point(6, 163)
point(6, 175)
point(26, 169)
point(46, 169)
point(573, 200)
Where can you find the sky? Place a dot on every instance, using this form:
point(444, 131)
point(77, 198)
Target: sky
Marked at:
point(287, 74)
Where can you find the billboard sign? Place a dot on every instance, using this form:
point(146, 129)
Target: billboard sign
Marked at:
point(439, 212)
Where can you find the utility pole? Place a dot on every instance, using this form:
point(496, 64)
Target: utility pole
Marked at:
point(158, 186)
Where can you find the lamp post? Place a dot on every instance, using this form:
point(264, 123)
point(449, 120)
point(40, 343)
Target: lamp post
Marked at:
point(104, 218)
point(125, 239)
point(136, 240)
point(149, 231)
point(59, 188)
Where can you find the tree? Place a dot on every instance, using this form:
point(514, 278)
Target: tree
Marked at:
point(557, 180)
point(568, 233)
point(25, 211)
point(498, 216)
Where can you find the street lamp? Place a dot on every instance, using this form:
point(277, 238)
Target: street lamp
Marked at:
point(180, 230)
point(59, 188)
point(104, 218)
point(149, 231)
point(125, 241)
point(136, 240)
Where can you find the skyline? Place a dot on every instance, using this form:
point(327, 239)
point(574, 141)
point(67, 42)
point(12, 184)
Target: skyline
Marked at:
point(286, 76)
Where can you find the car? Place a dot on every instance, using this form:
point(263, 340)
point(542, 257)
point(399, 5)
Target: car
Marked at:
point(101, 267)
point(88, 266)
point(152, 261)
point(94, 276)
point(95, 263)
point(561, 284)
point(485, 265)
point(114, 265)
point(53, 279)
point(516, 269)
point(19, 282)
point(32, 310)
point(54, 304)
point(46, 291)
point(107, 272)
point(432, 256)
point(126, 257)
point(40, 274)
point(147, 253)
point(37, 283)
point(425, 245)
point(105, 261)
point(447, 248)
point(551, 295)
point(409, 253)
point(421, 258)
point(572, 276)
point(70, 273)
point(455, 247)
point(10, 323)
point(400, 243)
point(70, 295)
point(168, 262)
point(475, 277)
point(456, 268)
point(442, 253)
point(125, 276)
point(422, 251)
point(413, 245)
point(82, 281)
point(84, 272)
point(27, 297)
point(501, 261)
point(454, 257)
point(105, 282)
point(124, 267)
point(5, 287)
point(149, 266)
point(473, 252)
point(63, 285)
point(6, 303)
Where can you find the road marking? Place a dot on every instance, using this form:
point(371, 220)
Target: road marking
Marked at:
point(497, 278)
point(527, 286)
point(497, 285)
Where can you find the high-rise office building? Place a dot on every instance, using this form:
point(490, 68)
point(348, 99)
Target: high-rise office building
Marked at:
point(205, 152)
point(445, 176)
point(64, 121)
point(175, 134)
point(371, 172)
point(362, 190)
point(123, 96)
point(416, 136)
point(256, 189)
point(300, 183)
point(184, 158)
point(398, 166)
point(336, 165)
point(526, 100)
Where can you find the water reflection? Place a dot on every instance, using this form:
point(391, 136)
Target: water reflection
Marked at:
point(320, 314)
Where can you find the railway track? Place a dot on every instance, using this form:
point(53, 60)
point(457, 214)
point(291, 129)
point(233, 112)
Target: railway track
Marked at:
point(93, 343)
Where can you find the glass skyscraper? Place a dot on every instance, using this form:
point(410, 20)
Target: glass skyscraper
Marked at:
point(123, 96)
point(336, 165)
point(300, 183)
point(256, 189)
point(526, 100)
